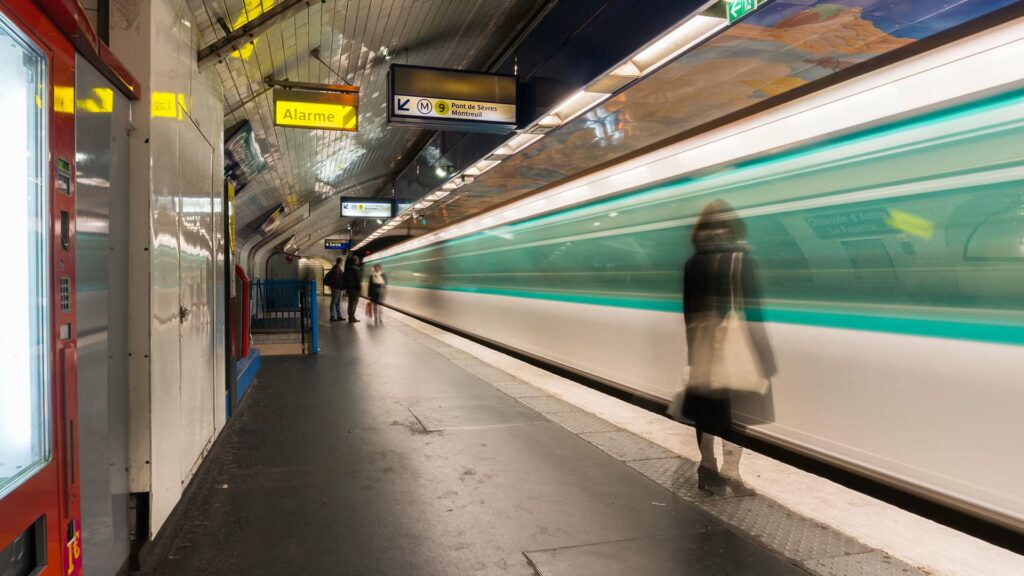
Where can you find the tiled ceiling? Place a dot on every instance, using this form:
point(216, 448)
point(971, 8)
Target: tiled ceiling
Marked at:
point(785, 45)
point(310, 166)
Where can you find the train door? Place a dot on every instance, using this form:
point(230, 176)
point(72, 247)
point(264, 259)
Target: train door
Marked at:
point(39, 500)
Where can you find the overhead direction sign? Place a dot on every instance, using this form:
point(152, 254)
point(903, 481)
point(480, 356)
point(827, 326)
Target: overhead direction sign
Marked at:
point(366, 208)
point(451, 99)
point(336, 244)
point(316, 110)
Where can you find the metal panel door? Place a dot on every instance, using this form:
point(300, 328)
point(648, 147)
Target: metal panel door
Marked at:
point(197, 281)
point(101, 265)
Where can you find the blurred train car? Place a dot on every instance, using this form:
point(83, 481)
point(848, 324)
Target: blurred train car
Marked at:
point(892, 260)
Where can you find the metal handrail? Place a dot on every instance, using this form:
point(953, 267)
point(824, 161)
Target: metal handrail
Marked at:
point(285, 306)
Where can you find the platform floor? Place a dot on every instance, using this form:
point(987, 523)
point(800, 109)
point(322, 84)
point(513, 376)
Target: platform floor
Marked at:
point(385, 456)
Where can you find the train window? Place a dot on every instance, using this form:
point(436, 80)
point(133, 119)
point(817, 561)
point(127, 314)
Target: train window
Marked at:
point(870, 260)
point(24, 340)
point(1001, 237)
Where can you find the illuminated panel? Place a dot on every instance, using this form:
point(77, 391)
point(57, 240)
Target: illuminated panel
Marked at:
point(24, 347)
point(316, 110)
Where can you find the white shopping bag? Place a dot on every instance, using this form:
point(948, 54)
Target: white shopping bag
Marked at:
point(675, 407)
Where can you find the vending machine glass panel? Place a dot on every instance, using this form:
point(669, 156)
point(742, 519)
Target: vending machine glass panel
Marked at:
point(24, 301)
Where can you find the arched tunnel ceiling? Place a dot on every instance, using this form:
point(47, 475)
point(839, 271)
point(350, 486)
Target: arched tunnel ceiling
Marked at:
point(308, 166)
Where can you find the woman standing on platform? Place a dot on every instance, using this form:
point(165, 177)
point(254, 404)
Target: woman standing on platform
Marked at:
point(720, 281)
point(376, 293)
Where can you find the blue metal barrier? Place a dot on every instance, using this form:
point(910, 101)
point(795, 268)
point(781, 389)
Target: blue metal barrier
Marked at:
point(285, 306)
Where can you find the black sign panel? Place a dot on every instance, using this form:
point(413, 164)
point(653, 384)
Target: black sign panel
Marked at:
point(458, 100)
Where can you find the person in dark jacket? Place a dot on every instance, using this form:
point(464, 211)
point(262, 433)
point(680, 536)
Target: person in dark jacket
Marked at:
point(353, 285)
point(335, 280)
point(710, 288)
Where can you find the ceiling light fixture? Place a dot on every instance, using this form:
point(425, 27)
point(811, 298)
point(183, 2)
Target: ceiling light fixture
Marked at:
point(485, 165)
point(577, 104)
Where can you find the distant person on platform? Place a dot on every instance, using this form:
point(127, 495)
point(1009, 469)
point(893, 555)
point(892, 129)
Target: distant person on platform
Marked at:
point(376, 293)
point(335, 280)
point(353, 285)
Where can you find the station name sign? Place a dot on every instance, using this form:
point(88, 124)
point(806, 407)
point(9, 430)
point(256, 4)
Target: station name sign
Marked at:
point(316, 110)
point(448, 99)
point(336, 244)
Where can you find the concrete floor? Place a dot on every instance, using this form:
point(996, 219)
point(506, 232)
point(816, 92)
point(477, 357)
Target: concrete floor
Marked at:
point(381, 456)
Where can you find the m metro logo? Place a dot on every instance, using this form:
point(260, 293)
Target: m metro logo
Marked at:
point(316, 110)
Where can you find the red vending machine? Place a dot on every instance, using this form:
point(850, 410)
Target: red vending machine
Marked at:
point(40, 522)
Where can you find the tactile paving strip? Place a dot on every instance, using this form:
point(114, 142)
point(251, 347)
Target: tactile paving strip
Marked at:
point(485, 371)
point(517, 388)
point(680, 476)
point(549, 404)
point(626, 446)
point(580, 422)
point(782, 530)
point(452, 352)
point(875, 563)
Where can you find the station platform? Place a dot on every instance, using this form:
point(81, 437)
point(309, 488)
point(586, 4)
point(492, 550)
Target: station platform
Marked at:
point(404, 449)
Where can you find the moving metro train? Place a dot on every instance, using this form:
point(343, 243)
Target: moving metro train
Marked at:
point(892, 266)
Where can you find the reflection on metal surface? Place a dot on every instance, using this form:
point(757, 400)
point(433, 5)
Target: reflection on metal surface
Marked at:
point(168, 105)
point(100, 100)
point(250, 10)
point(64, 99)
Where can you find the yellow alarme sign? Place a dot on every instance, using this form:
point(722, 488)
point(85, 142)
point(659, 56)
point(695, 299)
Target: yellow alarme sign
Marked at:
point(316, 115)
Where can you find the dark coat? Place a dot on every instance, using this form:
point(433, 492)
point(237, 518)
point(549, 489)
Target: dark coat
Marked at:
point(377, 290)
point(706, 290)
point(353, 277)
point(335, 279)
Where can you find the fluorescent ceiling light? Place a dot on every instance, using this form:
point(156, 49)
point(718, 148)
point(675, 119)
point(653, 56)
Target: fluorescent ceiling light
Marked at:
point(628, 70)
point(676, 42)
point(484, 165)
point(518, 143)
point(577, 104)
point(549, 121)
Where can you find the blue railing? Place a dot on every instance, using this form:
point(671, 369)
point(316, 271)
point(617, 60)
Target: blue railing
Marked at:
point(285, 306)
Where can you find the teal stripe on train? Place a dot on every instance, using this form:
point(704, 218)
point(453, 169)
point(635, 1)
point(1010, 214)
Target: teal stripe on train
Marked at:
point(918, 225)
point(994, 333)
